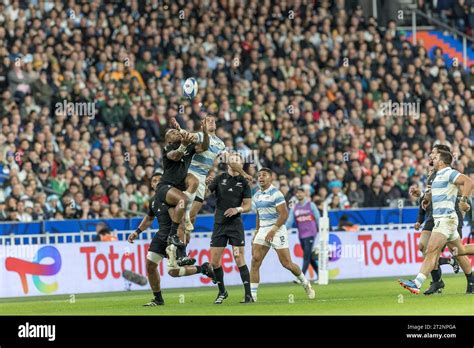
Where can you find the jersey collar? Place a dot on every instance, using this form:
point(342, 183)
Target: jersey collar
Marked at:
point(442, 170)
point(268, 189)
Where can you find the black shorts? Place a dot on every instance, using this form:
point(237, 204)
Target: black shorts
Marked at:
point(161, 191)
point(158, 245)
point(232, 234)
point(429, 225)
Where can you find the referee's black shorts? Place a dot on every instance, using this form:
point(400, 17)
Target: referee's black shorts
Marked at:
point(224, 234)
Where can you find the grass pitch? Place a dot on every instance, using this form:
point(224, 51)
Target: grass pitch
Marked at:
point(382, 296)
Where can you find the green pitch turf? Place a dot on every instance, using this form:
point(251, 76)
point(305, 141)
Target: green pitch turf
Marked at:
point(350, 297)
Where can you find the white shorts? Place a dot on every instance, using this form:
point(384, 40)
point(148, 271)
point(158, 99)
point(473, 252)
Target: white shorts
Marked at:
point(201, 190)
point(447, 226)
point(280, 240)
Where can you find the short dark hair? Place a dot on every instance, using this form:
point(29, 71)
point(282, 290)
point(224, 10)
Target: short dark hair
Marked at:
point(446, 157)
point(156, 174)
point(442, 147)
point(265, 169)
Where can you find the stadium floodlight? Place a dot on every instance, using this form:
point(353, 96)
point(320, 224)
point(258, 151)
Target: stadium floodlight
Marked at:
point(323, 272)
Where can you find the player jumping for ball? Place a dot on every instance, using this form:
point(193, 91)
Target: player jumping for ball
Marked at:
point(272, 213)
point(443, 195)
point(159, 247)
point(178, 153)
point(201, 164)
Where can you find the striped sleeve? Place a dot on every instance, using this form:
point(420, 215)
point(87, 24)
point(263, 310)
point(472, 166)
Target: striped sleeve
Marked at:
point(453, 175)
point(278, 198)
point(200, 137)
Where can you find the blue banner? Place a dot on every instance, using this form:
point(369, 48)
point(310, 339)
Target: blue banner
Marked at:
point(204, 223)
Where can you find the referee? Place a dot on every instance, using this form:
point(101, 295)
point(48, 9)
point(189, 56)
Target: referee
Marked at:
point(233, 198)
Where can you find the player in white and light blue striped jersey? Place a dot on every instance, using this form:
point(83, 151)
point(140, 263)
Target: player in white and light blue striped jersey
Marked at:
point(444, 190)
point(200, 166)
point(272, 214)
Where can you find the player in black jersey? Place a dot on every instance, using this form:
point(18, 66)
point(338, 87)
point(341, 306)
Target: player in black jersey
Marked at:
point(425, 214)
point(234, 197)
point(159, 247)
point(171, 190)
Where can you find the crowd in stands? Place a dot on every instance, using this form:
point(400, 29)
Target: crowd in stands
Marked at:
point(456, 13)
point(308, 89)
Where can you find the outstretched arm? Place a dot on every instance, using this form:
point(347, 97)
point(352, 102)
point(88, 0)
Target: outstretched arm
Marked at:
point(146, 223)
point(204, 146)
point(176, 155)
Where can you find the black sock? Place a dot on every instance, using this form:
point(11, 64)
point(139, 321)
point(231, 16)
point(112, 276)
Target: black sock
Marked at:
point(469, 278)
point(199, 269)
point(220, 279)
point(158, 295)
point(174, 228)
point(245, 276)
point(444, 260)
point(436, 275)
point(180, 252)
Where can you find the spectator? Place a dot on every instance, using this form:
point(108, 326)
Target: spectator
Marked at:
point(286, 94)
point(104, 234)
point(337, 199)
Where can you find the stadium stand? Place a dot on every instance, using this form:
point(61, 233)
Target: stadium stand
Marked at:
point(88, 90)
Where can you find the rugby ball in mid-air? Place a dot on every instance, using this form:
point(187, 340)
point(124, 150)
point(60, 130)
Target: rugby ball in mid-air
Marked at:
point(190, 88)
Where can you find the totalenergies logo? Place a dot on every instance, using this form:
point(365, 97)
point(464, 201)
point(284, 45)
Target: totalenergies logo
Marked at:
point(36, 269)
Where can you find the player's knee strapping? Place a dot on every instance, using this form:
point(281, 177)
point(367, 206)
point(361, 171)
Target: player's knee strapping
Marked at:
point(154, 257)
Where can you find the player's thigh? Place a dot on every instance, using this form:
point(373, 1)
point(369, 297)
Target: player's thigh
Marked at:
point(456, 247)
point(192, 182)
point(216, 256)
point(174, 196)
point(423, 241)
point(284, 256)
point(436, 242)
point(258, 253)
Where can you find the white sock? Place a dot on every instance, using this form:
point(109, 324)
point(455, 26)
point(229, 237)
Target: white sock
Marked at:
point(419, 280)
point(253, 289)
point(190, 197)
point(302, 279)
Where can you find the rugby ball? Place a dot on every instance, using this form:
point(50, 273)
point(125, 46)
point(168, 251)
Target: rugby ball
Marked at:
point(190, 88)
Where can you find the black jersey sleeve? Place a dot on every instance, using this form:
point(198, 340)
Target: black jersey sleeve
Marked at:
point(421, 214)
point(247, 191)
point(150, 212)
point(213, 185)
